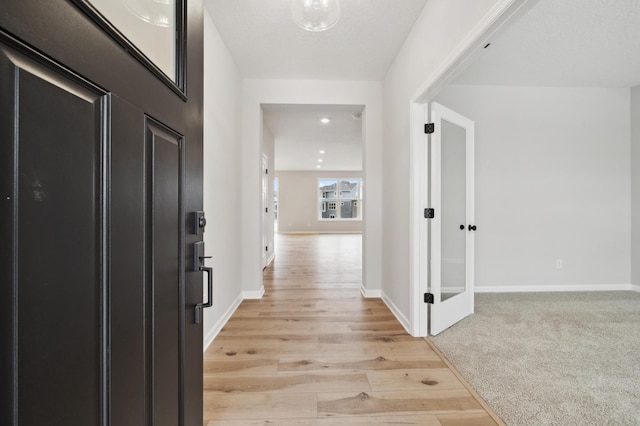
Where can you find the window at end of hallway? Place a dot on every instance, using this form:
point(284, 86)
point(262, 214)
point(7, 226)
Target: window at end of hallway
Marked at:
point(345, 193)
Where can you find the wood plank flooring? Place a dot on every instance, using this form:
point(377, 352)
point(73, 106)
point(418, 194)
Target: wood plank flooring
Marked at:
point(313, 351)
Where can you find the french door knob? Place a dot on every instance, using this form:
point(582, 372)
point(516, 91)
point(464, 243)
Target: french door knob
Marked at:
point(472, 227)
point(462, 227)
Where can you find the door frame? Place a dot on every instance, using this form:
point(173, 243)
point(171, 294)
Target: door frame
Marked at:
point(460, 58)
point(265, 212)
point(282, 92)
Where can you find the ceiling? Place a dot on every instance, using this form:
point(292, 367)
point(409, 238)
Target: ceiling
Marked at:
point(300, 136)
point(265, 43)
point(570, 43)
point(564, 43)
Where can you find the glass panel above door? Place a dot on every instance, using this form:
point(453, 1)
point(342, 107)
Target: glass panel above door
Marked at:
point(150, 25)
point(454, 220)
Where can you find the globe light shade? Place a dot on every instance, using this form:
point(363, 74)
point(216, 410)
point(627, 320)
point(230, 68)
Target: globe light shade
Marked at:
point(155, 12)
point(315, 15)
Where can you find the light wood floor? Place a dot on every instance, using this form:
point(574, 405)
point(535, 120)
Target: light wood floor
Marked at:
point(313, 351)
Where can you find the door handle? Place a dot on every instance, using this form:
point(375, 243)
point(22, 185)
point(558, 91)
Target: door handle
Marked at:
point(209, 271)
point(472, 227)
point(198, 266)
point(462, 227)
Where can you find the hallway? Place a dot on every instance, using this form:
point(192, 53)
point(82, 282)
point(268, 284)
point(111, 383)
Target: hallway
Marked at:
point(314, 351)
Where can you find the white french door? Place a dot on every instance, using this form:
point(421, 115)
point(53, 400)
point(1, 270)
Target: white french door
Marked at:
point(453, 225)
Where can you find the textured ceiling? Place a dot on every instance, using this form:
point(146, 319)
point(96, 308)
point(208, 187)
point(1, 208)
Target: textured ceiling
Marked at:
point(572, 43)
point(300, 136)
point(265, 43)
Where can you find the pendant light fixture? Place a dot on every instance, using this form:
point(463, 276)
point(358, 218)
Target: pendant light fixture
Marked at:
point(315, 15)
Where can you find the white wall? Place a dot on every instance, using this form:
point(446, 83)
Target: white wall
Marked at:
point(635, 187)
point(298, 203)
point(552, 182)
point(441, 26)
point(222, 178)
point(258, 92)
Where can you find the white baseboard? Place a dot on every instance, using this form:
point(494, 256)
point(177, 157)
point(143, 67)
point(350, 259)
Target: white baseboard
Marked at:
point(370, 294)
point(553, 288)
point(250, 295)
point(213, 332)
point(398, 314)
point(635, 288)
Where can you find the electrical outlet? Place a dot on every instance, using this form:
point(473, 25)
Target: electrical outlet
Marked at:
point(559, 263)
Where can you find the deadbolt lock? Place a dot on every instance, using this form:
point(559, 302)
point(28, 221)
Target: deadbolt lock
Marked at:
point(199, 222)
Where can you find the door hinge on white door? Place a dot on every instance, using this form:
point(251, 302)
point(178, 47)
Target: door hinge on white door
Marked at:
point(428, 298)
point(429, 128)
point(429, 213)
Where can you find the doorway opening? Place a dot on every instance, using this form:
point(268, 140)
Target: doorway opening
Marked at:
point(316, 187)
point(421, 256)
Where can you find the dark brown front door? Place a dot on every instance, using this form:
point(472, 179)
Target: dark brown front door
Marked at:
point(100, 172)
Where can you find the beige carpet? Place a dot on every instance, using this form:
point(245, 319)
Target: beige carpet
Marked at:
point(552, 358)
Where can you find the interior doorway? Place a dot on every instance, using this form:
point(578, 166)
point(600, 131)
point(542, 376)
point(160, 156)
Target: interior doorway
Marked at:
point(421, 175)
point(545, 183)
point(317, 161)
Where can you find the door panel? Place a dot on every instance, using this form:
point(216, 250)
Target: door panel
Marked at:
point(165, 287)
point(452, 238)
point(51, 209)
point(148, 234)
point(57, 241)
point(129, 346)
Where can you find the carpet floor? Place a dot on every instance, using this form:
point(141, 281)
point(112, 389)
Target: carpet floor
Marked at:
point(552, 358)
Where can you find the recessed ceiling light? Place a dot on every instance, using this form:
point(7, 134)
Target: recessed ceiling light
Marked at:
point(321, 151)
point(319, 160)
point(324, 120)
point(319, 166)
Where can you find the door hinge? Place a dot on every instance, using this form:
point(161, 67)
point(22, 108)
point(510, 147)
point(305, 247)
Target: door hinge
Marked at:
point(429, 213)
point(429, 128)
point(428, 298)
point(266, 248)
point(266, 209)
point(266, 171)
